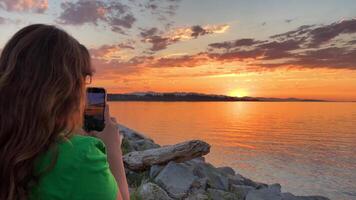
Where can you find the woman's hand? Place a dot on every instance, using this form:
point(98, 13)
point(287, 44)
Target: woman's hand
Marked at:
point(110, 135)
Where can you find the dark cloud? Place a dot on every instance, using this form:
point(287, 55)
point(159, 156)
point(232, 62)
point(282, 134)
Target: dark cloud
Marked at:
point(146, 33)
point(233, 44)
point(291, 49)
point(113, 13)
point(160, 40)
point(162, 10)
point(332, 57)
point(323, 34)
point(294, 34)
point(298, 48)
point(37, 6)
point(198, 31)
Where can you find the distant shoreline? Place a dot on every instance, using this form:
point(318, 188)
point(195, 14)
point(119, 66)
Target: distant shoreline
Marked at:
point(197, 97)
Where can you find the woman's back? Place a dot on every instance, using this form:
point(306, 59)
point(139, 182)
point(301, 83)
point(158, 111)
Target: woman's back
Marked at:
point(80, 172)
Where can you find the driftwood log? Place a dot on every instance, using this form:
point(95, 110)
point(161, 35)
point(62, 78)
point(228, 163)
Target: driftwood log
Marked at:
point(141, 160)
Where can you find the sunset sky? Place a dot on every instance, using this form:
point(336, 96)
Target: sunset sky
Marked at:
point(274, 48)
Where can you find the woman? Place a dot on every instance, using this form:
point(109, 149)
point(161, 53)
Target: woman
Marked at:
point(43, 152)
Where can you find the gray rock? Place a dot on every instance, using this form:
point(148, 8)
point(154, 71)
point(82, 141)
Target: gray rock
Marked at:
point(144, 144)
point(198, 196)
point(215, 194)
point(151, 191)
point(238, 179)
point(289, 196)
point(131, 134)
point(241, 190)
point(200, 183)
point(216, 179)
point(227, 170)
point(155, 170)
point(272, 192)
point(176, 179)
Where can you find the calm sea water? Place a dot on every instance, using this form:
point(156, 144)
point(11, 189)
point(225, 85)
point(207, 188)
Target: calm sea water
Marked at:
point(310, 148)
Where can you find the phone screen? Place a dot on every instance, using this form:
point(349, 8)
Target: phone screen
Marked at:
point(94, 110)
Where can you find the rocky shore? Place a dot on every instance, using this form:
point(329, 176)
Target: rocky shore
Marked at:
point(180, 171)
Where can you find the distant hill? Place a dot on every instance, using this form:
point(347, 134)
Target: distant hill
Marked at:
point(190, 96)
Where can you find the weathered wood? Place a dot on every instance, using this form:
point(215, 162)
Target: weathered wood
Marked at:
point(141, 160)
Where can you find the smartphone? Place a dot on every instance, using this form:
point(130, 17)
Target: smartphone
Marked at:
point(94, 109)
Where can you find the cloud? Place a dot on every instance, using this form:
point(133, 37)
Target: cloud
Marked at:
point(164, 10)
point(37, 6)
point(308, 46)
point(233, 44)
point(321, 34)
point(113, 13)
point(290, 50)
point(161, 40)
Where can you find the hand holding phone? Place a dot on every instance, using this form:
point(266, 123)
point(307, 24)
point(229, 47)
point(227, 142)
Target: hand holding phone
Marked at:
point(94, 119)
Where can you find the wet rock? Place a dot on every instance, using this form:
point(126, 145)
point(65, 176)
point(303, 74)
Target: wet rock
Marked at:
point(176, 179)
point(151, 191)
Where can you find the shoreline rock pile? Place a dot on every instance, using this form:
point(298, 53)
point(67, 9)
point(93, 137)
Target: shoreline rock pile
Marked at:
point(180, 172)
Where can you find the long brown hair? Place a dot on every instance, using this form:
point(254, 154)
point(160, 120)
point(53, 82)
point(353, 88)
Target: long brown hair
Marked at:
point(42, 87)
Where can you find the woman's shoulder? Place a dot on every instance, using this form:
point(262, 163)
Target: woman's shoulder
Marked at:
point(81, 143)
point(72, 152)
point(80, 164)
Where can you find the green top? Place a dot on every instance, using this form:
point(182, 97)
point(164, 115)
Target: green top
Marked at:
point(81, 172)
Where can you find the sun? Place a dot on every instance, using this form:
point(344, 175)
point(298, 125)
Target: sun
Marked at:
point(239, 93)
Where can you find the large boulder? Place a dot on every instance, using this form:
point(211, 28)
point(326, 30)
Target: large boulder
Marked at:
point(141, 160)
point(176, 179)
point(241, 190)
point(215, 178)
point(151, 191)
point(155, 170)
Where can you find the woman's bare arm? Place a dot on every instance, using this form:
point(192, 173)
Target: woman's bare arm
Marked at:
point(112, 140)
point(118, 170)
